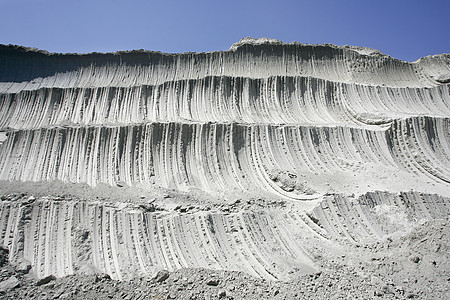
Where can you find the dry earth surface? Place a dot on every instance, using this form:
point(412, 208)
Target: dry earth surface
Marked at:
point(268, 171)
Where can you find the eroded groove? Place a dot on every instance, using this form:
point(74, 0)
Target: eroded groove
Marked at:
point(271, 159)
point(241, 157)
point(26, 69)
point(266, 244)
point(377, 214)
point(273, 100)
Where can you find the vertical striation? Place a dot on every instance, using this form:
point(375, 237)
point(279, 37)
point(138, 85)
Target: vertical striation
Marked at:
point(358, 139)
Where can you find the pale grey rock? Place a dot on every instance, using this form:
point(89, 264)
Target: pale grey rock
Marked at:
point(9, 284)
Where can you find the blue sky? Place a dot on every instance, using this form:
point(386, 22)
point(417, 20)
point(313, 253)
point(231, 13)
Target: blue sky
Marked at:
point(403, 29)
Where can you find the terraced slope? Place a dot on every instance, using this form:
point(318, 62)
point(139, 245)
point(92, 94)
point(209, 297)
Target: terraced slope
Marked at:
point(62, 236)
point(319, 129)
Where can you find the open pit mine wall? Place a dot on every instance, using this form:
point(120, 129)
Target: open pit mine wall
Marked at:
point(218, 157)
point(377, 214)
point(279, 118)
point(222, 120)
point(273, 100)
point(61, 237)
point(26, 69)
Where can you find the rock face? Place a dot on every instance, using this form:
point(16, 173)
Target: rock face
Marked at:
point(267, 151)
point(224, 120)
point(9, 284)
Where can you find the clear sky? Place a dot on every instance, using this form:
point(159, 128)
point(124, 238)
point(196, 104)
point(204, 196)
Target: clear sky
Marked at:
point(404, 29)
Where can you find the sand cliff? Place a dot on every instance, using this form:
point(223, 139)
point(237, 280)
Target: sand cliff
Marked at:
point(283, 149)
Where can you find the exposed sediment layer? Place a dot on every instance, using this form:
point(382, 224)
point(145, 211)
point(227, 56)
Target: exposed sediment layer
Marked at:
point(27, 69)
point(309, 110)
point(273, 100)
point(377, 214)
point(221, 157)
point(284, 121)
point(61, 237)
